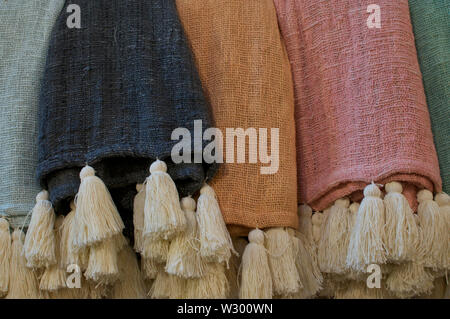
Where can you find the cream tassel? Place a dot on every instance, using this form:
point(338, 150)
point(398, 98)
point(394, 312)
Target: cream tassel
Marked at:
point(155, 249)
point(434, 231)
point(285, 276)
point(310, 276)
point(130, 284)
point(447, 291)
point(305, 222)
point(256, 279)
point(215, 240)
point(354, 207)
point(103, 265)
point(23, 283)
point(213, 285)
point(163, 217)
point(138, 217)
point(96, 218)
point(168, 286)
point(443, 200)
point(314, 225)
point(438, 291)
point(317, 220)
point(333, 245)
point(5, 256)
point(39, 246)
point(352, 274)
point(232, 273)
point(54, 277)
point(98, 291)
point(359, 290)
point(184, 259)
point(150, 268)
point(366, 241)
point(409, 279)
point(85, 291)
point(401, 230)
point(69, 253)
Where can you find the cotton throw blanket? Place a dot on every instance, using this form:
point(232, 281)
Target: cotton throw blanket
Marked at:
point(246, 75)
point(113, 92)
point(361, 114)
point(431, 25)
point(25, 27)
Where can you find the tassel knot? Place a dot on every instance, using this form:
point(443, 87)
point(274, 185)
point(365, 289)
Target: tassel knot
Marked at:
point(158, 166)
point(442, 199)
point(86, 171)
point(372, 190)
point(424, 195)
point(393, 187)
point(342, 202)
point(256, 236)
point(188, 204)
point(42, 195)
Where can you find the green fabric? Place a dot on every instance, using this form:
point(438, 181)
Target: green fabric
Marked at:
point(431, 23)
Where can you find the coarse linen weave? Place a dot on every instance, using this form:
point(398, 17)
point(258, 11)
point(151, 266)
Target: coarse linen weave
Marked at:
point(431, 25)
point(360, 107)
point(25, 27)
point(246, 75)
point(113, 92)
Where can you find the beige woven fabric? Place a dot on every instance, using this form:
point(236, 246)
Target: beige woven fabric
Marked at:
point(246, 75)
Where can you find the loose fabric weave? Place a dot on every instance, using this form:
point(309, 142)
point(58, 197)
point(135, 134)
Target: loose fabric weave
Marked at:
point(361, 113)
point(431, 25)
point(25, 27)
point(113, 92)
point(246, 75)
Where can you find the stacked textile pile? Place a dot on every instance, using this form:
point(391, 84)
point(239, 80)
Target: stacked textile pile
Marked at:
point(315, 103)
point(362, 117)
point(112, 93)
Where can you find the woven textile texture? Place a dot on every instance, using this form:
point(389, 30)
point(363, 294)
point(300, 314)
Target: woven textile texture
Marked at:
point(361, 113)
point(431, 25)
point(113, 92)
point(246, 75)
point(25, 27)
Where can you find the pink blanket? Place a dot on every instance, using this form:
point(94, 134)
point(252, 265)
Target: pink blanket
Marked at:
point(361, 113)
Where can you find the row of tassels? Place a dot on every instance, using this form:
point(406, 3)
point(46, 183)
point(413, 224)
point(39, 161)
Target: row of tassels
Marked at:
point(186, 250)
point(201, 262)
point(185, 246)
point(412, 250)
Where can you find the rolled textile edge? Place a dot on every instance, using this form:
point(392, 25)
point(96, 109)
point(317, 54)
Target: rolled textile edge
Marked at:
point(354, 188)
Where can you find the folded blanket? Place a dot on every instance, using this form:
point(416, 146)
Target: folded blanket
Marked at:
point(361, 113)
point(246, 75)
point(24, 34)
point(113, 92)
point(431, 23)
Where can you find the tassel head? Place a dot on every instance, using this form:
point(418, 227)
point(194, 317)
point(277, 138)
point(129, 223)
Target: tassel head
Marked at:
point(163, 217)
point(96, 218)
point(215, 240)
point(256, 279)
point(39, 246)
